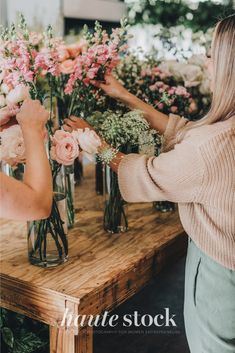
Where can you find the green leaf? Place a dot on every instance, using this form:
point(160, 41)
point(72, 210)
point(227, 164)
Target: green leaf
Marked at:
point(7, 336)
point(28, 343)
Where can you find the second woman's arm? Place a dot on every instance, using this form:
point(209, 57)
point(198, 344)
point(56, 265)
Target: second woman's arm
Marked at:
point(114, 89)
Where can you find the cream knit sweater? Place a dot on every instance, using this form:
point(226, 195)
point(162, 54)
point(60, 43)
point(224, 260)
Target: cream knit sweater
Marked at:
point(199, 174)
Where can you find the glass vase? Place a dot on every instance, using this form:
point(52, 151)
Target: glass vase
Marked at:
point(47, 238)
point(115, 209)
point(70, 194)
point(99, 169)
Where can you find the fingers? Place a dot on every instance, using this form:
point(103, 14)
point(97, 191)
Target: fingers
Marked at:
point(67, 128)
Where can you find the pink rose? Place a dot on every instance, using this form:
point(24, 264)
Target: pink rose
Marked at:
point(88, 140)
point(12, 147)
point(181, 91)
point(193, 107)
point(67, 66)
point(5, 115)
point(153, 87)
point(17, 94)
point(174, 109)
point(64, 148)
point(63, 53)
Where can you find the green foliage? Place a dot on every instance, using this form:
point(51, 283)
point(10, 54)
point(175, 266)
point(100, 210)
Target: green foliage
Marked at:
point(199, 16)
point(20, 334)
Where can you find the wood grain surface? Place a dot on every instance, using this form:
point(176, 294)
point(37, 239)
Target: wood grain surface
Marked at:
point(103, 270)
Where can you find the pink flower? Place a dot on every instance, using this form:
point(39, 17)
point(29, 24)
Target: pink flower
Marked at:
point(153, 88)
point(174, 109)
point(5, 115)
point(12, 145)
point(160, 106)
point(17, 94)
point(64, 148)
point(92, 72)
point(193, 107)
point(63, 53)
point(181, 91)
point(67, 66)
point(171, 91)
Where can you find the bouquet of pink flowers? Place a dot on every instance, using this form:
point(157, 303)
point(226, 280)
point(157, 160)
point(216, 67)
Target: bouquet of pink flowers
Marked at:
point(81, 64)
point(66, 146)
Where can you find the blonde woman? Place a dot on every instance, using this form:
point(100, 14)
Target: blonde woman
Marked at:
point(197, 171)
point(32, 198)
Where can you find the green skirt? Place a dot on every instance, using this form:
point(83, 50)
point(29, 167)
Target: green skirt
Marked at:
point(209, 304)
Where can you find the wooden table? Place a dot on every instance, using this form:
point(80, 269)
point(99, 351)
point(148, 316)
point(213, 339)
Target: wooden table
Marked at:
point(102, 272)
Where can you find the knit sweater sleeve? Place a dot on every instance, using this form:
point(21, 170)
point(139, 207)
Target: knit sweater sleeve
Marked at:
point(174, 176)
point(175, 123)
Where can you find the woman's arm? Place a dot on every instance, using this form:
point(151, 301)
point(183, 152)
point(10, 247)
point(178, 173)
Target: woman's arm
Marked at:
point(114, 89)
point(32, 198)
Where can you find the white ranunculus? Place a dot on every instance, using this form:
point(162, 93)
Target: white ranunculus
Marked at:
point(4, 88)
point(88, 140)
point(2, 100)
point(198, 60)
point(17, 94)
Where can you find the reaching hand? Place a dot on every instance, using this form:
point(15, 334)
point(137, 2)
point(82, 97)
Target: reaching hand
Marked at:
point(74, 123)
point(32, 116)
point(112, 87)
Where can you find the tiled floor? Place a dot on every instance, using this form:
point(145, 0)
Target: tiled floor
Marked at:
point(166, 291)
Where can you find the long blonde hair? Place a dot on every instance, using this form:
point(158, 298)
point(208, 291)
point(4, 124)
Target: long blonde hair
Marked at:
point(223, 57)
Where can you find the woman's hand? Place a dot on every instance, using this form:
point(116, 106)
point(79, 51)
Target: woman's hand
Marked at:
point(113, 88)
point(73, 123)
point(32, 116)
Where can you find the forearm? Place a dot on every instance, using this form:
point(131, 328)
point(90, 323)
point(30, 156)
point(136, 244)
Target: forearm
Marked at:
point(38, 171)
point(157, 120)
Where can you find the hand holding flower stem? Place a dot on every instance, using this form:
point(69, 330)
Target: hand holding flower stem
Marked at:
point(114, 89)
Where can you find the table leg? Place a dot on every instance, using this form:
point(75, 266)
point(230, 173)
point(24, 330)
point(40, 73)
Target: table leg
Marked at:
point(62, 341)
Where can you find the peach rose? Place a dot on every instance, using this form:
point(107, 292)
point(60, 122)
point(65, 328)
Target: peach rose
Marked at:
point(64, 148)
point(67, 66)
point(17, 94)
point(77, 48)
point(5, 115)
point(63, 53)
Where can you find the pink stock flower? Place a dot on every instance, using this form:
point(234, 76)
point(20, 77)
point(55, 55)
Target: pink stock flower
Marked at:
point(64, 148)
point(47, 59)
